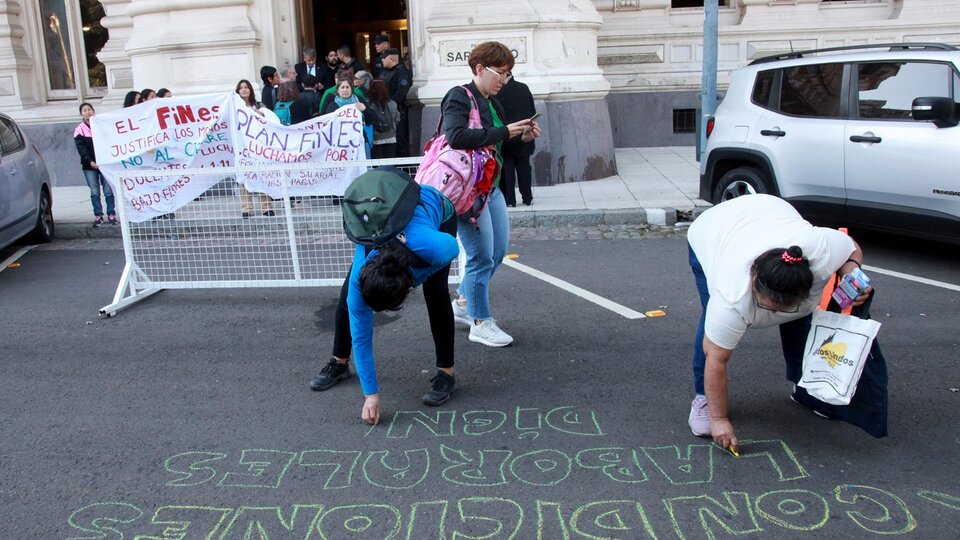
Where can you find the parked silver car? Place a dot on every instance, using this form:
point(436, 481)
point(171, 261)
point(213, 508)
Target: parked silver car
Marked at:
point(859, 136)
point(26, 200)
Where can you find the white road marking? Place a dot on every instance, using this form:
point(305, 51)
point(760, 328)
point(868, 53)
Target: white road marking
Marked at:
point(909, 277)
point(13, 258)
point(571, 288)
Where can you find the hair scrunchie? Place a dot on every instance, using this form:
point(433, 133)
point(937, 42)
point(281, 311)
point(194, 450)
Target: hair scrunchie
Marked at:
point(790, 259)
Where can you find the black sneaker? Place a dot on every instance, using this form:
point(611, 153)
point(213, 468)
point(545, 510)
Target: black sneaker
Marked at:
point(330, 375)
point(441, 388)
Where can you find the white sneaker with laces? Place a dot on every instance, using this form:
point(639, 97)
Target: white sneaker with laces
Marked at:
point(699, 420)
point(489, 334)
point(460, 313)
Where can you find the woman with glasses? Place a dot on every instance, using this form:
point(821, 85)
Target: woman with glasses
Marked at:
point(756, 264)
point(486, 243)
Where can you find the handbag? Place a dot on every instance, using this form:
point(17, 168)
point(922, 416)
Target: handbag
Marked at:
point(834, 355)
point(464, 176)
point(868, 409)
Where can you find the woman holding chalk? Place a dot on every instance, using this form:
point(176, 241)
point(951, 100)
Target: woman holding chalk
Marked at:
point(756, 264)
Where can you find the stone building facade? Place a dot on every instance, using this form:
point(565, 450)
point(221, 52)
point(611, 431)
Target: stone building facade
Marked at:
point(605, 73)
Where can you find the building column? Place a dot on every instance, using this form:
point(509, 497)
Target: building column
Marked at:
point(19, 79)
point(113, 56)
point(191, 46)
point(555, 44)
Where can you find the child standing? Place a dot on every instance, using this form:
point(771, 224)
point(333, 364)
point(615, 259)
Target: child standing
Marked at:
point(83, 137)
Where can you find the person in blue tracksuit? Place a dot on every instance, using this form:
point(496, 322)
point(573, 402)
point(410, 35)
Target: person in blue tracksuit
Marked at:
point(380, 280)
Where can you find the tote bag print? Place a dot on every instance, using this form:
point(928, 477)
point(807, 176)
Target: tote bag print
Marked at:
point(833, 359)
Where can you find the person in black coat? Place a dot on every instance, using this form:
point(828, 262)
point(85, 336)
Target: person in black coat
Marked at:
point(518, 105)
point(328, 71)
point(398, 81)
point(271, 78)
point(310, 98)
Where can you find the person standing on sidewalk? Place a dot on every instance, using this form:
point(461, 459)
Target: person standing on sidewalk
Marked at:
point(756, 263)
point(83, 138)
point(380, 280)
point(518, 104)
point(486, 242)
point(398, 80)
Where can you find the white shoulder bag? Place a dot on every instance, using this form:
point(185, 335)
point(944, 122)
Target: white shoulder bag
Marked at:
point(836, 350)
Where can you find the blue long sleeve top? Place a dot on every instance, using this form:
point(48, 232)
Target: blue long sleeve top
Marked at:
point(424, 238)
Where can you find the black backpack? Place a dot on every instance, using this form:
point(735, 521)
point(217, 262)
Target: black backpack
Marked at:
point(377, 205)
point(381, 118)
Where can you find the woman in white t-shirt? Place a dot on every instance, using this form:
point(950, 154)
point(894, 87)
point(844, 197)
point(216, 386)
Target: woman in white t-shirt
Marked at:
point(756, 263)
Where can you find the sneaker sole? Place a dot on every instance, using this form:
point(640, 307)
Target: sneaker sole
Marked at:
point(488, 343)
point(820, 414)
point(462, 320)
point(699, 434)
point(319, 388)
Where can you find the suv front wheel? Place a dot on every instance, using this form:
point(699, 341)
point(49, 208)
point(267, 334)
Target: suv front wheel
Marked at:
point(740, 181)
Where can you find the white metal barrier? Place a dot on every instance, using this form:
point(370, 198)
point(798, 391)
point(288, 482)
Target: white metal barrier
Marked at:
point(209, 243)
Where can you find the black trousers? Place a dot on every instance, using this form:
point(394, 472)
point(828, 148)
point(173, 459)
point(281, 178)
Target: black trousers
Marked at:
point(383, 151)
point(403, 133)
point(436, 294)
point(516, 170)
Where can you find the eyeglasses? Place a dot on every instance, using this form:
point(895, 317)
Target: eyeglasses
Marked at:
point(793, 309)
point(505, 77)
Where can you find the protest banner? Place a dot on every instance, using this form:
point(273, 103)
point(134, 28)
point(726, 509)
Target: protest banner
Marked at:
point(214, 131)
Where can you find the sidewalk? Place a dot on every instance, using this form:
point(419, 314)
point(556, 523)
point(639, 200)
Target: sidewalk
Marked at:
point(654, 184)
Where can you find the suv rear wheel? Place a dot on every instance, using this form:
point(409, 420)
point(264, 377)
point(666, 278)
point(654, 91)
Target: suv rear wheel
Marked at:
point(740, 181)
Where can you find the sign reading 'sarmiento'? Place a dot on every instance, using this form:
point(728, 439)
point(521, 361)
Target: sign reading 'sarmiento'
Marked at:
point(456, 52)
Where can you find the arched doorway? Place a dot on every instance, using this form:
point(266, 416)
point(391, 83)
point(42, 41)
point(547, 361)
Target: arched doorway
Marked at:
point(325, 25)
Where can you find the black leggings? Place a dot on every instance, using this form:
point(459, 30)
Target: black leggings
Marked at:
point(436, 294)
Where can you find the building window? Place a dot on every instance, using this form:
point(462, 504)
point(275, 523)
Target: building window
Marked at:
point(812, 90)
point(72, 37)
point(684, 120)
point(886, 90)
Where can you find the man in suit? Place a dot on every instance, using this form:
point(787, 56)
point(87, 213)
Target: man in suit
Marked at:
point(381, 42)
point(310, 97)
point(271, 79)
point(307, 67)
point(518, 105)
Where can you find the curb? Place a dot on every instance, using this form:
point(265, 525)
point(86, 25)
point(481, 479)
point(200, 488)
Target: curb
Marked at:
point(658, 217)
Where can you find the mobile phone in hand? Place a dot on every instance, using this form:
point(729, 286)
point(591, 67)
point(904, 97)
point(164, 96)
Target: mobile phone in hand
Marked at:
point(534, 117)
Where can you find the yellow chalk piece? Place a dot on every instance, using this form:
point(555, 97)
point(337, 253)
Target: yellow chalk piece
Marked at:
point(512, 256)
point(734, 452)
point(13, 265)
point(656, 313)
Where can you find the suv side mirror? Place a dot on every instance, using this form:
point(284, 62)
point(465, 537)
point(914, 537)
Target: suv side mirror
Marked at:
point(939, 110)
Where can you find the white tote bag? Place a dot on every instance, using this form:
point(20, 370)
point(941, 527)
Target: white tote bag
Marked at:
point(833, 359)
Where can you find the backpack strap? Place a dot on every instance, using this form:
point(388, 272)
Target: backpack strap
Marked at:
point(415, 260)
point(473, 104)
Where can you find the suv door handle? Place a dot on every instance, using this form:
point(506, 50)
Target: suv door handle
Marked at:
point(772, 133)
point(865, 138)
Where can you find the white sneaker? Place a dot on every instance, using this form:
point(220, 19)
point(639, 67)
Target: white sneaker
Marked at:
point(460, 313)
point(489, 334)
point(699, 420)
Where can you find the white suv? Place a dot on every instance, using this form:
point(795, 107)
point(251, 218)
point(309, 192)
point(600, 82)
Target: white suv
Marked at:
point(861, 136)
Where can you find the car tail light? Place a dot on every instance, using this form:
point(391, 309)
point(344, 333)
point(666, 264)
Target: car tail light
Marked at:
point(710, 121)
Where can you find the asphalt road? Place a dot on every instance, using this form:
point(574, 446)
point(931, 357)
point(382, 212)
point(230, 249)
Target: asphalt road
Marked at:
point(189, 415)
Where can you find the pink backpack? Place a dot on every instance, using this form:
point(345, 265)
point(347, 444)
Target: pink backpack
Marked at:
point(464, 176)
